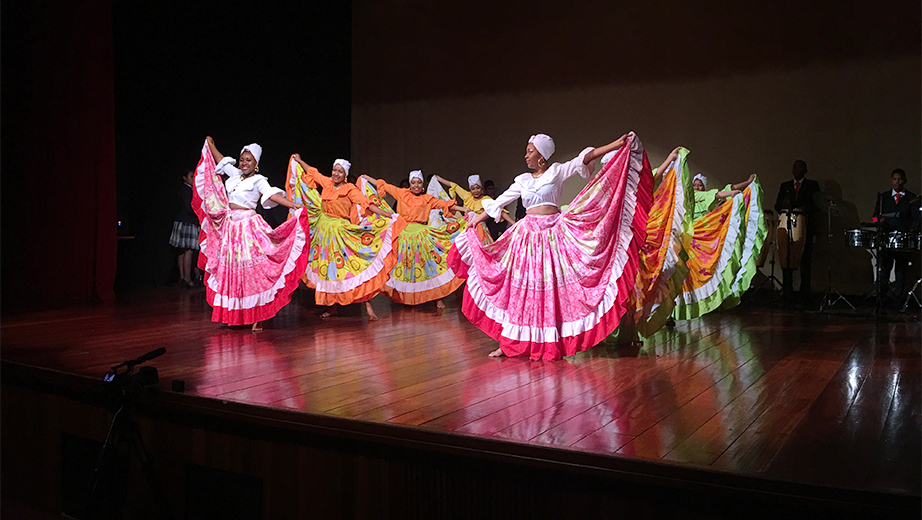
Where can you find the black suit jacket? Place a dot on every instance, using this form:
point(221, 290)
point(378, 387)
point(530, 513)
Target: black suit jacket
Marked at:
point(898, 217)
point(803, 200)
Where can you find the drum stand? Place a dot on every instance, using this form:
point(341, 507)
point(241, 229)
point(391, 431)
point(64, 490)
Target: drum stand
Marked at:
point(830, 291)
point(772, 280)
point(831, 288)
point(912, 296)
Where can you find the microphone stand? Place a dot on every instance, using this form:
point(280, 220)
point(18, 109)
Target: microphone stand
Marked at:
point(831, 288)
point(878, 244)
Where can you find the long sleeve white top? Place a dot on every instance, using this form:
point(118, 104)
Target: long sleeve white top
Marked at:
point(543, 191)
point(246, 192)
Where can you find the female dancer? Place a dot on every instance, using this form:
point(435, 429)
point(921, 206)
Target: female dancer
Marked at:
point(706, 200)
point(723, 247)
point(662, 267)
point(250, 268)
point(422, 273)
point(349, 261)
point(474, 200)
point(556, 283)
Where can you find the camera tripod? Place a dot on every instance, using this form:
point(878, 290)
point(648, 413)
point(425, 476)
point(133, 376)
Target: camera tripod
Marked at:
point(119, 393)
point(107, 497)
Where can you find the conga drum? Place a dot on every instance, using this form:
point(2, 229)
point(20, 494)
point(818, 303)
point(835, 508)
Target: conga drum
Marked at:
point(771, 225)
point(791, 237)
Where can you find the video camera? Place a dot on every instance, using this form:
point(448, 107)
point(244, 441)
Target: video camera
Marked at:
point(122, 385)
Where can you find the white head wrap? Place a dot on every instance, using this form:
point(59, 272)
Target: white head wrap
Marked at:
point(344, 163)
point(544, 144)
point(607, 157)
point(418, 174)
point(474, 180)
point(254, 149)
point(702, 178)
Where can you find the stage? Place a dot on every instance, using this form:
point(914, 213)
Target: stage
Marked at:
point(799, 407)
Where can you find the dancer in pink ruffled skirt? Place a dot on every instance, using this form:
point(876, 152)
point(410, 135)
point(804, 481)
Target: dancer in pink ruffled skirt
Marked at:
point(250, 268)
point(556, 283)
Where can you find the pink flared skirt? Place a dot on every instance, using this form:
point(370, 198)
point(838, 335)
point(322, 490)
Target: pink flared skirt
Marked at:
point(250, 269)
point(555, 285)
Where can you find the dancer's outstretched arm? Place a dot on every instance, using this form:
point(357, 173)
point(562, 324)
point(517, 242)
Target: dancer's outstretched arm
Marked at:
point(727, 194)
point(378, 211)
point(214, 150)
point(443, 180)
point(280, 199)
point(662, 168)
point(742, 186)
point(479, 218)
point(736, 189)
point(602, 150)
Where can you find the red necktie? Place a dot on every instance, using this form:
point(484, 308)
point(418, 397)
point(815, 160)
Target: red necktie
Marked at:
point(796, 189)
point(897, 198)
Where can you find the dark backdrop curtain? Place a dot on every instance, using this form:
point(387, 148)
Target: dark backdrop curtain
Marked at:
point(58, 152)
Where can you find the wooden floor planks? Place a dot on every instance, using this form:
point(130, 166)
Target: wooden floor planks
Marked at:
point(796, 396)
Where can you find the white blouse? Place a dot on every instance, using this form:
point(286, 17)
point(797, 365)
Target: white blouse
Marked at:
point(543, 191)
point(246, 192)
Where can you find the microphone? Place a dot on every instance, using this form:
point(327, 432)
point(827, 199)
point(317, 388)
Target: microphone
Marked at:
point(151, 355)
point(141, 359)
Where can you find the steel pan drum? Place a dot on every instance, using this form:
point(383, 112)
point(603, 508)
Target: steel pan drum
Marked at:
point(861, 238)
point(902, 241)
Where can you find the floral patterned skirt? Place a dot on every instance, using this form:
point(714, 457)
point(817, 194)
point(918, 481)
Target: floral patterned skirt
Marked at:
point(422, 273)
point(723, 249)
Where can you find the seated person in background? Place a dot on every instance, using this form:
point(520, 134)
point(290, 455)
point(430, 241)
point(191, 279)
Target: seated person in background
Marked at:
point(894, 211)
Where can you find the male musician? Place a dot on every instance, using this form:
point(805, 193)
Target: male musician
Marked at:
point(798, 194)
point(894, 211)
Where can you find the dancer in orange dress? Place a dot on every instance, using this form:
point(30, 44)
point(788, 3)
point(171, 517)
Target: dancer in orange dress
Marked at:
point(422, 273)
point(351, 255)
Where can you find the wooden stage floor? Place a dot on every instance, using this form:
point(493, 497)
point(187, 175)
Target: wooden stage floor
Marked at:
point(799, 397)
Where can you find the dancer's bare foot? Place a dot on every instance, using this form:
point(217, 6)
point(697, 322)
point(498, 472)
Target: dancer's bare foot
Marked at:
point(333, 311)
point(257, 327)
point(439, 306)
point(497, 353)
point(371, 312)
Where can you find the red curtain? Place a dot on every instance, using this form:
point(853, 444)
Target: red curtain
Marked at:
point(59, 198)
